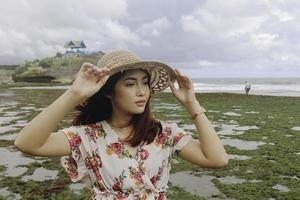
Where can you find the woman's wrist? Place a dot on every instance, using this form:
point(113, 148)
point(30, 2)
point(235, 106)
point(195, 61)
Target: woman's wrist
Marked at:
point(194, 107)
point(75, 96)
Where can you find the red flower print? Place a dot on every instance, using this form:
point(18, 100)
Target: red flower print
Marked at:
point(98, 159)
point(138, 177)
point(93, 162)
point(119, 182)
point(144, 154)
point(178, 138)
point(72, 168)
point(136, 174)
point(98, 176)
point(168, 130)
point(75, 141)
point(153, 180)
point(161, 196)
point(116, 186)
point(161, 139)
point(122, 196)
point(117, 148)
point(92, 133)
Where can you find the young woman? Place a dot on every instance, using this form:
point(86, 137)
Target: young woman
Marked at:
point(115, 145)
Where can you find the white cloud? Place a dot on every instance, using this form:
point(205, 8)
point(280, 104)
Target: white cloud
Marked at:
point(118, 32)
point(244, 32)
point(215, 37)
point(155, 28)
point(265, 40)
point(35, 29)
point(282, 15)
point(191, 24)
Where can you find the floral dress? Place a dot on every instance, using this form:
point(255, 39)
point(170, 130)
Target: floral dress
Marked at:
point(105, 164)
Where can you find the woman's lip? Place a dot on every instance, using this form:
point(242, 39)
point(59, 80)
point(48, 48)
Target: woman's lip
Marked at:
point(140, 103)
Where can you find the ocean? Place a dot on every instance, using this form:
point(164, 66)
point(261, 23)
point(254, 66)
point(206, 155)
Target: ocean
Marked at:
point(259, 86)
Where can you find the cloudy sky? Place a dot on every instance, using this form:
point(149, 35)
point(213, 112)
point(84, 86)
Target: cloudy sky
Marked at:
point(213, 38)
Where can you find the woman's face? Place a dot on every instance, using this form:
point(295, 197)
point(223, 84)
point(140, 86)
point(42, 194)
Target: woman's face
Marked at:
point(131, 92)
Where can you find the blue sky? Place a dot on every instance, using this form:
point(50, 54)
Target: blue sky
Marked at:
point(215, 38)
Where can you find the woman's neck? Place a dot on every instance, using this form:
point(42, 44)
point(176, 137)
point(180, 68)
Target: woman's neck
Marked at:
point(121, 123)
point(120, 119)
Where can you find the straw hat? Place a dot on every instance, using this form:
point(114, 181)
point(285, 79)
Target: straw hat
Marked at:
point(121, 60)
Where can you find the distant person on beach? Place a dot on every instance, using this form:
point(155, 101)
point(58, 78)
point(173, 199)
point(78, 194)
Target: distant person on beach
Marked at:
point(247, 87)
point(115, 145)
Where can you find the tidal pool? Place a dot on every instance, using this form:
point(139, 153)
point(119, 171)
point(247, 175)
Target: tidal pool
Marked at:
point(77, 187)
point(188, 126)
point(252, 112)
point(296, 128)
point(7, 128)
point(196, 185)
point(4, 192)
point(281, 188)
point(232, 114)
point(8, 136)
point(242, 144)
point(41, 174)
point(238, 157)
point(11, 159)
point(6, 120)
point(166, 106)
point(202, 185)
point(234, 129)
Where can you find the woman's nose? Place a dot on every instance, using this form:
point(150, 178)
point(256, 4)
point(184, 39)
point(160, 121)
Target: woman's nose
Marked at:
point(141, 91)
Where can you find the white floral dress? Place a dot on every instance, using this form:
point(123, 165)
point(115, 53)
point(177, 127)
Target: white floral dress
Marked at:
point(105, 164)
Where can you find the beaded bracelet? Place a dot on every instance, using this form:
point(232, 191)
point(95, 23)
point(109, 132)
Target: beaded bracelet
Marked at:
point(199, 113)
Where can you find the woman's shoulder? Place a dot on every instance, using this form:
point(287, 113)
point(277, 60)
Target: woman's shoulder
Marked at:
point(85, 128)
point(166, 123)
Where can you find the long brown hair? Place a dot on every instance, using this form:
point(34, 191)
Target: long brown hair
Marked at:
point(99, 107)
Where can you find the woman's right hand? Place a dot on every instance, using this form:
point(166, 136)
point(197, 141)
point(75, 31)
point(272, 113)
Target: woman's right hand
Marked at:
point(89, 80)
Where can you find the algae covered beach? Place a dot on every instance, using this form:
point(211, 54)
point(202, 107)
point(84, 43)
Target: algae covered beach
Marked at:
point(261, 135)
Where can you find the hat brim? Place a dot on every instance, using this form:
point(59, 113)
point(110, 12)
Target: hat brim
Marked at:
point(160, 74)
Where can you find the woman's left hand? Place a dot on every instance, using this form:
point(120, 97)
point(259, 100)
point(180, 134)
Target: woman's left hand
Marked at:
point(185, 93)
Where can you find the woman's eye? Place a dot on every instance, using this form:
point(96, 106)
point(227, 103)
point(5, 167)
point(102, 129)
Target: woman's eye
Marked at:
point(132, 84)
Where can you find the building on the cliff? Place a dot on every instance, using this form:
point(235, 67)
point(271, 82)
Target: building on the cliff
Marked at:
point(75, 48)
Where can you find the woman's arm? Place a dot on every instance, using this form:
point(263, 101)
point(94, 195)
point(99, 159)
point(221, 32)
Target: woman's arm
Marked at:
point(35, 134)
point(37, 137)
point(209, 152)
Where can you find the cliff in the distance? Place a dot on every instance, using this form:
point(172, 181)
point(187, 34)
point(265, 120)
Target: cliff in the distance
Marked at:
point(60, 69)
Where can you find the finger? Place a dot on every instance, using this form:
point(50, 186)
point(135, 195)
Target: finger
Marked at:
point(181, 81)
point(91, 71)
point(184, 79)
point(102, 81)
point(181, 75)
point(96, 73)
point(85, 66)
point(100, 72)
point(178, 72)
point(104, 70)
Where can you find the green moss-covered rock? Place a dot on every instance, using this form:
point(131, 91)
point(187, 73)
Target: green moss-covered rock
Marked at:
point(58, 69)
